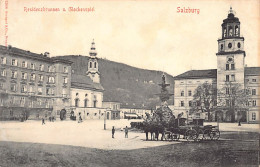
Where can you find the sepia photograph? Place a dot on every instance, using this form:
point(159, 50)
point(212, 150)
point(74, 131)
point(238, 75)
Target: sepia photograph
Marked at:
point(145, 83)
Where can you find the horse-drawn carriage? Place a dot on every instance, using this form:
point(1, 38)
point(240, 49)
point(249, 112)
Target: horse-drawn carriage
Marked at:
point(195, 131)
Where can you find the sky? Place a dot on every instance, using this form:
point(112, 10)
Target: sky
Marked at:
point(144, 34)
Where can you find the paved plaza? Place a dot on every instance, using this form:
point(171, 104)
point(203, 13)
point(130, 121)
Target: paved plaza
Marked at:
point(69, 143)
point(91, 133)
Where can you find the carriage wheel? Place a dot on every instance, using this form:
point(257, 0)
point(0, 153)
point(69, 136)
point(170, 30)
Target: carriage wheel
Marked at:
point(215, 134)
point(200, 135)
point(191, 135)
point(175, 136)
point(207, 134)
point(167, 136)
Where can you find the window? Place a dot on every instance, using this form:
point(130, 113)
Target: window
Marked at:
point(13, 87)
point(182, 103)
point(86, 95)
point(3, 60)
point(189, 92)
point(41, 67)
point(253, 80)
point(12, 100)
point(182, 93)
point(227, 66)
point(51, 79)
point(14, 74)
point(3, 72)
point(31, 89)
point(227, 102)
point(253, 116)
point(227, 91)
point(95, 103)
point(39, 90)
point(24, 75)
point(1, 85)
point(39, 102)
point(232, 66)
point(32, 77)
point(22, 101)
point(65, 69)
point(49, 68)
point(65, 80)
point(253, 91)
point(90, 65)
point(32, 66)
point(254, 102)
point(233, 78)
point(48, 91)
point(95, 65)
point(24, 64)
point(14, 62)
point(23, 88)
point(190, 103)
point(86, 103)
point(76, 102)
point(41, 78)
point(77, 94)
point(227, 78)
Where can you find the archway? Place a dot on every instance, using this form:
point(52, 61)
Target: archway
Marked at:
point(219, 116)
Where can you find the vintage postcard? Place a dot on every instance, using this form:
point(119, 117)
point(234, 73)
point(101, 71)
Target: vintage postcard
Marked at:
point(129, 83)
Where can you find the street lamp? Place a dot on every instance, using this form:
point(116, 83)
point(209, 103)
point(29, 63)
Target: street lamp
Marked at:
point(105, 118)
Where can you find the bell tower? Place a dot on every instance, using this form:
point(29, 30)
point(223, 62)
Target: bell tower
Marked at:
point(93, 72)
point(231, 54)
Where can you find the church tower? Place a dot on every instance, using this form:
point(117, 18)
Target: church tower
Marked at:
point(231, 54)
point(93, 72)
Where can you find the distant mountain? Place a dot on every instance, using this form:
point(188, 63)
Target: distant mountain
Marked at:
point(132, 87)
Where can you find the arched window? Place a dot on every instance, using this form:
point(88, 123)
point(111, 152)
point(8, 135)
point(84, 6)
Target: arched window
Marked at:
point(95, 101)
point(236, 30)
point(182, 93)
point(77, 102)
point(95, 65)
point(225, 32)
point(86, 103)
point(230, 31)
point(90, 65)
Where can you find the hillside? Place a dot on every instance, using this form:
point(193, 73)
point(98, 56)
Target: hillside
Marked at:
point(132, 87)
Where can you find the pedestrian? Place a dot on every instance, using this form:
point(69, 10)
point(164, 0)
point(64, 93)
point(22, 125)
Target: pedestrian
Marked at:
point(43, 121)
point(113, 132)
point(126, 132)
point(239, 122)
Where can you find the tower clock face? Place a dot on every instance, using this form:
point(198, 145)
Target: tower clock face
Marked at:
point(230, 45)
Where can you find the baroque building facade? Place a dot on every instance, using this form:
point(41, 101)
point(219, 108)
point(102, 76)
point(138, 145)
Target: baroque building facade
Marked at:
point(231, 69)
point(87, 92)
point(32, 85)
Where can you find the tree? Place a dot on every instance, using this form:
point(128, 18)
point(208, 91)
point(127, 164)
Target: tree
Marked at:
point(233, 97)
point(205, 97)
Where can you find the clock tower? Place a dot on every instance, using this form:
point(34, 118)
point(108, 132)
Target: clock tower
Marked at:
point(231, 54)
point(93, 72)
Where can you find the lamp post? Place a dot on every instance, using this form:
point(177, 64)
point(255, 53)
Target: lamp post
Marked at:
point(105, 117)
point(187, 117)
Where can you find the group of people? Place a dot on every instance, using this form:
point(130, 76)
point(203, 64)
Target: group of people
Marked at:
point(113, 132)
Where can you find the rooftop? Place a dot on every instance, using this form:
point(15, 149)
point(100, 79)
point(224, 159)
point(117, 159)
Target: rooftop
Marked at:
point(194, 74)
point(252, 71)
point(84, 82)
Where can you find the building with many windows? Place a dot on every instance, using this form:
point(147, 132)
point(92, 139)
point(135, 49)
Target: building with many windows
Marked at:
point(32, 85)
point(231, 69)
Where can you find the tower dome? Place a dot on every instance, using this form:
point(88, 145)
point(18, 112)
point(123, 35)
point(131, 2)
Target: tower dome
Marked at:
point(231, 25)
